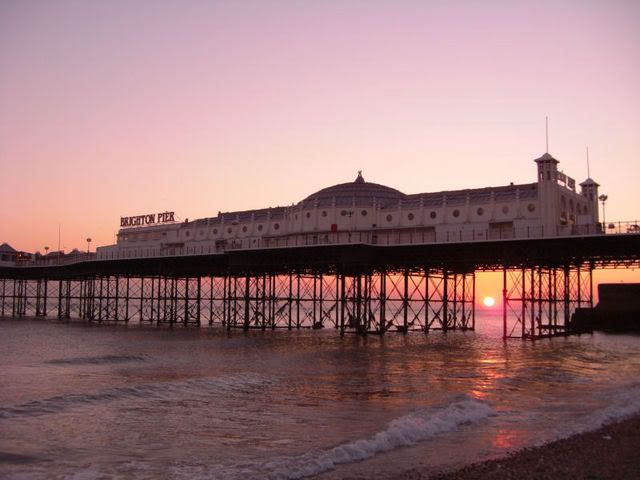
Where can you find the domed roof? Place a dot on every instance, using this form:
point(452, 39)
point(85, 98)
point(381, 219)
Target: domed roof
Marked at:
point(358, 192)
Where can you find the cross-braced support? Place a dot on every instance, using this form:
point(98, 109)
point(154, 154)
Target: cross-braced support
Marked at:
point(538, 301)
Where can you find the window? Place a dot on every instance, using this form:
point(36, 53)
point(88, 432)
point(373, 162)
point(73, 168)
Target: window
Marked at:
point(456, 213)
point(343, 213)
point(215, 231)
point(324, 213)
point(259, 228)
point(432, 215)
point(389, 217)
point(411, 216)
point(244, 229)
point(308, 214)
point(480, 211)
point(364, 213)
point(229, 230)
point(276, 226)
point(531, 207)
point(505, 209)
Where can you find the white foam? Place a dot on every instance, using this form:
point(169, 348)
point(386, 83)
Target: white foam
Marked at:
point(404, 431)
point(621, 403)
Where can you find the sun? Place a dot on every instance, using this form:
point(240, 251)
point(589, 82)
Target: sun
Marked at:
point(489, 301)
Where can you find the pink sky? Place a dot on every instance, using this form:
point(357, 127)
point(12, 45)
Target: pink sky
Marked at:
point(111, 108)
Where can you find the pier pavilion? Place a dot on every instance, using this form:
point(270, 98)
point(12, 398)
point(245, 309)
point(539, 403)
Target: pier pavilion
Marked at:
point(358, 257)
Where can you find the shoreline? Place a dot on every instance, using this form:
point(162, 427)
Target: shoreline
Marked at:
point(610, 452)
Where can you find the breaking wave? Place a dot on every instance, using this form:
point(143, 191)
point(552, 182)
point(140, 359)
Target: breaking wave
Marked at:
point(622, 404)
point(405, 431)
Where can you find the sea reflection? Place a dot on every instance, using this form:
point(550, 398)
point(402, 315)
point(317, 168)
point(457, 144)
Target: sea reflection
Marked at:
point(218, 401)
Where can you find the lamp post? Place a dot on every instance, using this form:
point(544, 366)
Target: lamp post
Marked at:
point(88, 242)
point(603, 198)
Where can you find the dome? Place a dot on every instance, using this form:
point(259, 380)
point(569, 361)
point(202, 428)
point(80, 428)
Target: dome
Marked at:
point(358, 193)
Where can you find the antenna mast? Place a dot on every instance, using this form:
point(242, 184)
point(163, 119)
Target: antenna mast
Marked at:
point(588, 172)
point(546, 125)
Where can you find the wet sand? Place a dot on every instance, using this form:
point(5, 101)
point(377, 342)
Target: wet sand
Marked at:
point(611, 452)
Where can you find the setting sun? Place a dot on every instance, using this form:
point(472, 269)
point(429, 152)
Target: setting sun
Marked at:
point(489, 301)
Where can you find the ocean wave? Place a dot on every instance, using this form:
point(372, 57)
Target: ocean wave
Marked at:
point(622, 403)
point(405, 431)
point(102, 360)
point(193, 389)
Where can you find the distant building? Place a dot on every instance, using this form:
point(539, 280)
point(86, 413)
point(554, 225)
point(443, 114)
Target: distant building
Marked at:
point(365, 212)
point(8, 253)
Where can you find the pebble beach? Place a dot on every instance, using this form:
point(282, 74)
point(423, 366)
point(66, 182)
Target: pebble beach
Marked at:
point(609, 453)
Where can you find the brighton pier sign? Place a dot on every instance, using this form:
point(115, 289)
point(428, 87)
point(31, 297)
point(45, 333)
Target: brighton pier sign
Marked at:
point(150, 219)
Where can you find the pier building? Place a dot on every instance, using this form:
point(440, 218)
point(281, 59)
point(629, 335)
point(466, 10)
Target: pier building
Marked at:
point(372, 213)
point(359, 257)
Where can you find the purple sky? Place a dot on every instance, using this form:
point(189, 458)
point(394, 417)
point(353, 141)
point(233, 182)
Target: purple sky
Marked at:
point(111, 108)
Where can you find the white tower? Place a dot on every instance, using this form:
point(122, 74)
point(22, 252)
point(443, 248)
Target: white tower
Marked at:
point(589, 190)
point(548, 193)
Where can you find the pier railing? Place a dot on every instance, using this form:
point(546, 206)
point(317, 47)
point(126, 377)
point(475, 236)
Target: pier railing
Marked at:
point(382, 237)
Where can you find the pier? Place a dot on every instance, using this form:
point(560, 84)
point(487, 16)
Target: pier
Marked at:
point(353, 288)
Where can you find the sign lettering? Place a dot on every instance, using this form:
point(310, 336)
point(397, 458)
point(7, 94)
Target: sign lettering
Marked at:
point(149, 219)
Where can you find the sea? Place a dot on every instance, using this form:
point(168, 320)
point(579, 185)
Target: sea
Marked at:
point(97, 401)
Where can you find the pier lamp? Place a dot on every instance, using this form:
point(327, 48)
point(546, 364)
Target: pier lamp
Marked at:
point(88, 242)
point(46, 250)
point(603, 198)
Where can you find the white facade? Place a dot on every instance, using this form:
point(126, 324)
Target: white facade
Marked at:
point(363, 212)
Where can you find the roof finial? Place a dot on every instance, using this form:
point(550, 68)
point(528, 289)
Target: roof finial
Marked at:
point(588, 169)
point(359, 178)
point(546, 125)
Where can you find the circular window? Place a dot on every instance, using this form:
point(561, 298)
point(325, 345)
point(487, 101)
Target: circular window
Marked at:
point(531, 207)
point(364, 213)
point(456, 213)
point(324, 213)
point(505, 209)
point(432, 215)
point(308, 214)
point(229, 230)
point(187, 233)
point(276, 226)
point(389, 218)
point(343, 213)
point(215, 231)
point(411, 216)
point(244, 229)
point(480, 211)
point(259, 228)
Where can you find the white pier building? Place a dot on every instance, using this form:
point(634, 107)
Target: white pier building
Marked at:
point(364, 212)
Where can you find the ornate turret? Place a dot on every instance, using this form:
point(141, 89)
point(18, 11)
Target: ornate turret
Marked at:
point(547, 168)
point(589, 190)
